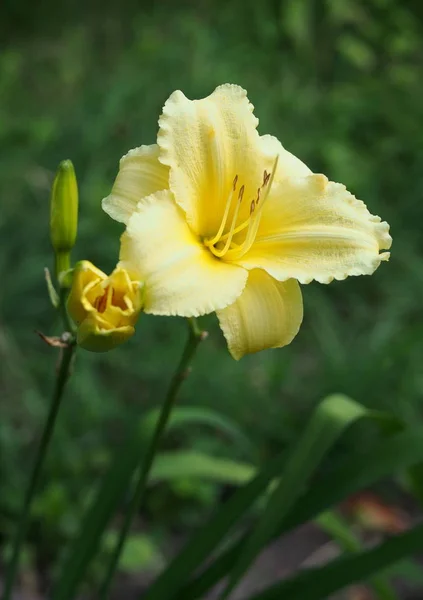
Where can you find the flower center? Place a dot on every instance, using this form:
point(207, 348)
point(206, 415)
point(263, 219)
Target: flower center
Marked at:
point(222, 244)
point(100, 303)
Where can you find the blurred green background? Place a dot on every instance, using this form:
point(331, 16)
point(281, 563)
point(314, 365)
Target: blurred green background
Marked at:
point(340, 83)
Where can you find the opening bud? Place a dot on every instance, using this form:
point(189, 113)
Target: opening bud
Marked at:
point(105, 308)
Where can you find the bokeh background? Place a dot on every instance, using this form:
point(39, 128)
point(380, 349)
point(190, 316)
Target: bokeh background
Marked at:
point(340, 83)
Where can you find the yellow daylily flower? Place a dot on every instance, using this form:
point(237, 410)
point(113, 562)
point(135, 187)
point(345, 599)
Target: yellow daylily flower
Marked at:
point(220, 218)
point(104, 308)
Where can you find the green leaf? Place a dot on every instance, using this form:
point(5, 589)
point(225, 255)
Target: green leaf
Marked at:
point(348, 476)
point(339, 530)
point(327, 423)
point(140, 552)
point(173, 465)
point(201, 546)
point(98, 515)
point(183, 416)
point(320, 583)
point(408, 570)
point(52, 294)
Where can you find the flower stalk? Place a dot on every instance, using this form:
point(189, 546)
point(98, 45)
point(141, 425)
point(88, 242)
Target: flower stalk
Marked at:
point(195, 336)
point(62, 377)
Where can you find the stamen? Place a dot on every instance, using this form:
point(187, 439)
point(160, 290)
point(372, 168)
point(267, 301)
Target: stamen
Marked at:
point(211, 242)
point(232, 250)
point(100, 302)
point(254, 220)
point(266, 177)
point(222, 252)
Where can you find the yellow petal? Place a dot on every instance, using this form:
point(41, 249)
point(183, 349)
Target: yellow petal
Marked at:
point(312, 228)
point(94, 334)
point(207, 143)
point(268, 314)
point(288, 164)
point(140, 174)
point(85, 278)
point(126, 298)
point(181, 277)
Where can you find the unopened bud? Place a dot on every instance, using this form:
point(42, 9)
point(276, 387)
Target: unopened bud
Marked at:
point(64, 215)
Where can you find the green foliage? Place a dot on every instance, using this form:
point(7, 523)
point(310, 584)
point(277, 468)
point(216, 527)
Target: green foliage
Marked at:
point(317, 584)
point(340, 531)
point(359, 469)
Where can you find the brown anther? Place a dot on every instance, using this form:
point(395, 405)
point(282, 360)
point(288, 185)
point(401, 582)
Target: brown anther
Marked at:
point(252, 206)
point(241, 193)
point(258, 195)
point(235, 182)
point(264, 177)
point(101, 301)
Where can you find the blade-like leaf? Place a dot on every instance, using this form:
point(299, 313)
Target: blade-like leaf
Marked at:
point(183, 416)
point(333, 415)
point(99, 513)
point(205, 541)
point(320, 583)
point(350, 475)
point(339, 530)
point(172, 465)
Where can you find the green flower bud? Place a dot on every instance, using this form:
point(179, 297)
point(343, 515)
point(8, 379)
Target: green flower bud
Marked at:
point(64, 215)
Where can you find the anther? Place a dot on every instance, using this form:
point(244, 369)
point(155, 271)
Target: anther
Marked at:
point(258, 195)
point(265, 177)
point(252, 206)
point(241, 193)
point(235, 182)
point(101, 301)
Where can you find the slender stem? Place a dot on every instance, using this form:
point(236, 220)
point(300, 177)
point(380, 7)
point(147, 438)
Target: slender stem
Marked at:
point(194, 338)
point(62, 377)
point(62, 262)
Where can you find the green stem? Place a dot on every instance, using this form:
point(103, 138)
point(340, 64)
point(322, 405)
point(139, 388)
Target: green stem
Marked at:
point(62, 262)
point(62, 377)
point(194, 338)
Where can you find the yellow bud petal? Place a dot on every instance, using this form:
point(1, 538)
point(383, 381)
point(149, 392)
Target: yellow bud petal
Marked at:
point(64, 214)
point(104, 308)
point(93, 337)
point(85, 277)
